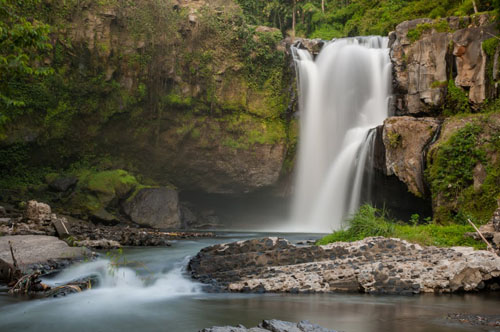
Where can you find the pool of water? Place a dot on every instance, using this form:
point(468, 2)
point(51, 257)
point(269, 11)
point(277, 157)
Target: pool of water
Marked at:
point(146, 289)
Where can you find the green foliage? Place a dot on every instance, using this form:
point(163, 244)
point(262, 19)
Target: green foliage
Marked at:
point(464, 171)
point(355, 17)
point(438, 26)
point(439, 84)
point(457, 100)
point(452, 166)
point(369, 221)
point(23, 42)
point(16, 168)
point(490, 46)
point(394, 139)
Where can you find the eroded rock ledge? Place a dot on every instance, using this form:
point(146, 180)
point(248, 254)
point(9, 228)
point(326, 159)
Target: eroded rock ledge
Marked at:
point(273, 325)
point(372, 265)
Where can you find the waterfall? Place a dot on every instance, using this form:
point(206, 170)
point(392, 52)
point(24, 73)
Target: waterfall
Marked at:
point(343, 94)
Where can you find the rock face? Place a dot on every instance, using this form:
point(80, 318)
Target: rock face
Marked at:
point(372, 265)
point(204, 108)
point(273, 325)
point(476, 193)
point(34, 250)
point(405, 140)
point(154, 207)
point(423, 66)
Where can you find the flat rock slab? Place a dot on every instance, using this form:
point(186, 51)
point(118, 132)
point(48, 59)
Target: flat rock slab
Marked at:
point(38, 249)
point(373, 265)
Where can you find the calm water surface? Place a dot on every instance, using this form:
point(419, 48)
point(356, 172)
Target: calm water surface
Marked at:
point(151, 293)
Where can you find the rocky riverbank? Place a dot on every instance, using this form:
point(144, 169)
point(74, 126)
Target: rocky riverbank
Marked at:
point(273, 325)
point(38, 219)
point(373, 265)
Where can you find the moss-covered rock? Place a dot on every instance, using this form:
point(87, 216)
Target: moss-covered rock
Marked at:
point(98, 192)
point(463, 169)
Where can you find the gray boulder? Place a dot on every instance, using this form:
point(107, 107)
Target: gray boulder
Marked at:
point(154, 207)
point(30, 250)
point(62, 184)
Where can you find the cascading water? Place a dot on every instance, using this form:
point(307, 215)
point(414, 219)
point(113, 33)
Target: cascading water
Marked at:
point(343, 94)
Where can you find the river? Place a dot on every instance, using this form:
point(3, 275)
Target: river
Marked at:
point(149, 291)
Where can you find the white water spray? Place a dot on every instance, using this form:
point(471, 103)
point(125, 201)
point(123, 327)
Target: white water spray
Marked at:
point(127, 284)
point(342, 95)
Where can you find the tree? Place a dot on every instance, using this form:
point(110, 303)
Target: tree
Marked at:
point(23, 43)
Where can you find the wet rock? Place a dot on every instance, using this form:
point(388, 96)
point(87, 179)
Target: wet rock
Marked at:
point(314, 46)
point(405, 141)
point(99, 244)
point(273, 325)
point(33, 251)
point(8, 272)
point(372, 265)
point(104, 217)
point(63, 184)
point(476, 320)
point(154, 207)
point(127, 235)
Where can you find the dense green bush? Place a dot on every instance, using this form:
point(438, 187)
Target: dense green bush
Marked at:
point(370, 221)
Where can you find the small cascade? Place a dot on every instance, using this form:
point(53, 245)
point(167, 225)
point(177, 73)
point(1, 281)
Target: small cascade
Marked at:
point(343, 94)
point(126, 282)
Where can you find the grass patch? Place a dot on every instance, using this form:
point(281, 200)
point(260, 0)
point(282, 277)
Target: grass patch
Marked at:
point(370, 221)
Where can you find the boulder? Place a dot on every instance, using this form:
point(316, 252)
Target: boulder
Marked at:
point(63, 184)
point(38, 212)
point(104, 217)
point(373, 265)
point(406, 140)
point(154, 207)
point(34, 250)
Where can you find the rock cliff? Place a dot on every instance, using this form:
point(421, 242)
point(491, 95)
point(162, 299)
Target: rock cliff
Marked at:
point(426, 54)
point(182, 92)
point(444, 69)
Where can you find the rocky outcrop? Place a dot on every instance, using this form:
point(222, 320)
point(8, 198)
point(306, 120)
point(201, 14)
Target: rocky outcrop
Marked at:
point(372, 265)
point(86, 233)
point(35, 251)
point(273, 325)
point(314, 46)
point(405, 141)
point(465, 185)
point(154, 207)
point(426, 53)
